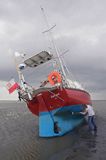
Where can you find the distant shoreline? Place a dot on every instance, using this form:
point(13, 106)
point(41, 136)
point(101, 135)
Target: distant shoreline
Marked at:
point(17, 101)
point(11, 101)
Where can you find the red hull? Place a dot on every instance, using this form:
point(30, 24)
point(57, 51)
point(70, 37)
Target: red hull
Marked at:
point(57, 99)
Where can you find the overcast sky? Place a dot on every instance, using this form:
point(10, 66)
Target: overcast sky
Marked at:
point(80, 27)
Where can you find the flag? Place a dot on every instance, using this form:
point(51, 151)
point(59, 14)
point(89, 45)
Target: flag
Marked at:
point(12, 86)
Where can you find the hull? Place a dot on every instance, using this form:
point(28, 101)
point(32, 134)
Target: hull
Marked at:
point(65, 119)
point(58, 110)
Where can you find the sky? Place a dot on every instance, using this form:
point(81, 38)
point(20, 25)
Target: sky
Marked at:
point(80, 28)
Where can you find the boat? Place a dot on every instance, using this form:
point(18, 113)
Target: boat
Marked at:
point(56, 103)
point(56, 106)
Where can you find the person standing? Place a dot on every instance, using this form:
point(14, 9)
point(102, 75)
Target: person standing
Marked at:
point(91, 117)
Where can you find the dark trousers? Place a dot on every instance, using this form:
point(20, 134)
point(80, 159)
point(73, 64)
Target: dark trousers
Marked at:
point(91, 123)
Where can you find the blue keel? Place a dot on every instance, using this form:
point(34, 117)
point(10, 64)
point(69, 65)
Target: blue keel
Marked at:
point(67, 119)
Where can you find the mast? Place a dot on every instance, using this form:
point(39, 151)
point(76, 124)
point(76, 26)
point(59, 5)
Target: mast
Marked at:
point(64, 78)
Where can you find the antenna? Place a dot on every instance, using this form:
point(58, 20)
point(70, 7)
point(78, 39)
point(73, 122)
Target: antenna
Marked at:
point(65, 83)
